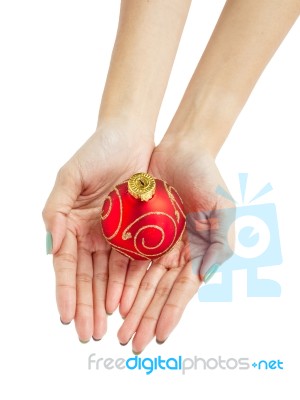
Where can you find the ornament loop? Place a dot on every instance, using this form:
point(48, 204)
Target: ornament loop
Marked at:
point(142, 186)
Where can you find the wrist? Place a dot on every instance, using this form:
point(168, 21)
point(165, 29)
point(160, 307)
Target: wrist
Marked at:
point(128, 130)
point(131, 112)
point(186, 145)
point(205, 118)
point(203, 139)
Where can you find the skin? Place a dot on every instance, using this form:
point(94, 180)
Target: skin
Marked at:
point(89, 282)
point(243, 42)
point(92, 279)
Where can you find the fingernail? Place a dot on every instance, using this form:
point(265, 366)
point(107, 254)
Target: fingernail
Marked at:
point(84, 341)
point(49, 243)
point(160, 341)
point(124, 344)
point(210, 273)
point(64, 323)
point(96, 340)
point(136, 353)
point(109, 313)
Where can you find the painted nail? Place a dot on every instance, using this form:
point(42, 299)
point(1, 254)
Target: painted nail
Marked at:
point(96, 340)
point(84, 341)
point(210, 273)
point(136, 353)
point(64, 323)
point(49, 243)
point(160, 341)
point(109, 313)
point(124, 344)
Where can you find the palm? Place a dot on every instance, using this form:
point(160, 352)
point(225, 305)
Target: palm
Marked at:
point(85, 225)
point(196, 177)
point(101, 168)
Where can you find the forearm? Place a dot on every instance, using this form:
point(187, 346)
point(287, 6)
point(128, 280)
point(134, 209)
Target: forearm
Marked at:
point(244, 40)
point(147, 40)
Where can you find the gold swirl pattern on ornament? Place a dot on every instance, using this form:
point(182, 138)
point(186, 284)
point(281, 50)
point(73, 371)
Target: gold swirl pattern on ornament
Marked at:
point(173, 201)
point(143, 240)
point(126, 251)
point(178, 240)
point(121, 216)
point(103, 217)
point(125, 234)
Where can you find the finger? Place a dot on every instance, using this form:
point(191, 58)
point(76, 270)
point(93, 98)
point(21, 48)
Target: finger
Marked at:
point(147, 326)
point(135, 273)
point(222, 238)
point(143, 299)
point(117, 267)
point(100, 278)
point(66, 189)
point(65, 265)
point(184, 288)
point(84, 288)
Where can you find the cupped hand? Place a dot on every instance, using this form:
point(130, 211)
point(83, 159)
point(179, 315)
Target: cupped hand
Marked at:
point(89, 274)
point(173, 280)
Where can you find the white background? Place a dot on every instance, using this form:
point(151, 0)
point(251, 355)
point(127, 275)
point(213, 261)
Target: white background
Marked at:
point(54, 60)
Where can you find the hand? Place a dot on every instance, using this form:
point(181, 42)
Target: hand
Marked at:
point(89, 275)
point(172, 280)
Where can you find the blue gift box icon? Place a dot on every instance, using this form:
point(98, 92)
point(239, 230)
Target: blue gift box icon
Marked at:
point(257, 245)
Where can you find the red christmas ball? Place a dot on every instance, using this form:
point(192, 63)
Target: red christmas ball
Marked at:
point(143, 217)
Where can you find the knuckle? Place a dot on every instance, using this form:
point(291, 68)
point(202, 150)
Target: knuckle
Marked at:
point(184, 282)
point(129, 285)
point(135, 267)
point(117, 282)
point(83, 277)
point(162, 291)
point(174, 308)
point(61, 174)
point(45, 213)
point(65, 258)
point(66, 174)
point(159, 264)
point(220, 237)
point(84, 305)
point(228, 252)
point(65, 286)
point(120, 263)
point(146, 286)
point(225, 250)
point(151, 318)
point(101, 276)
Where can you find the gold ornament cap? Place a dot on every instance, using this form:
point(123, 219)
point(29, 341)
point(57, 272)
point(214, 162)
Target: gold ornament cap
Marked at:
point(142, 186)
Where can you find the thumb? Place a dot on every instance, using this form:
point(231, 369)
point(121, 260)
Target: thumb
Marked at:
point(221, 242)
point(67, 187)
